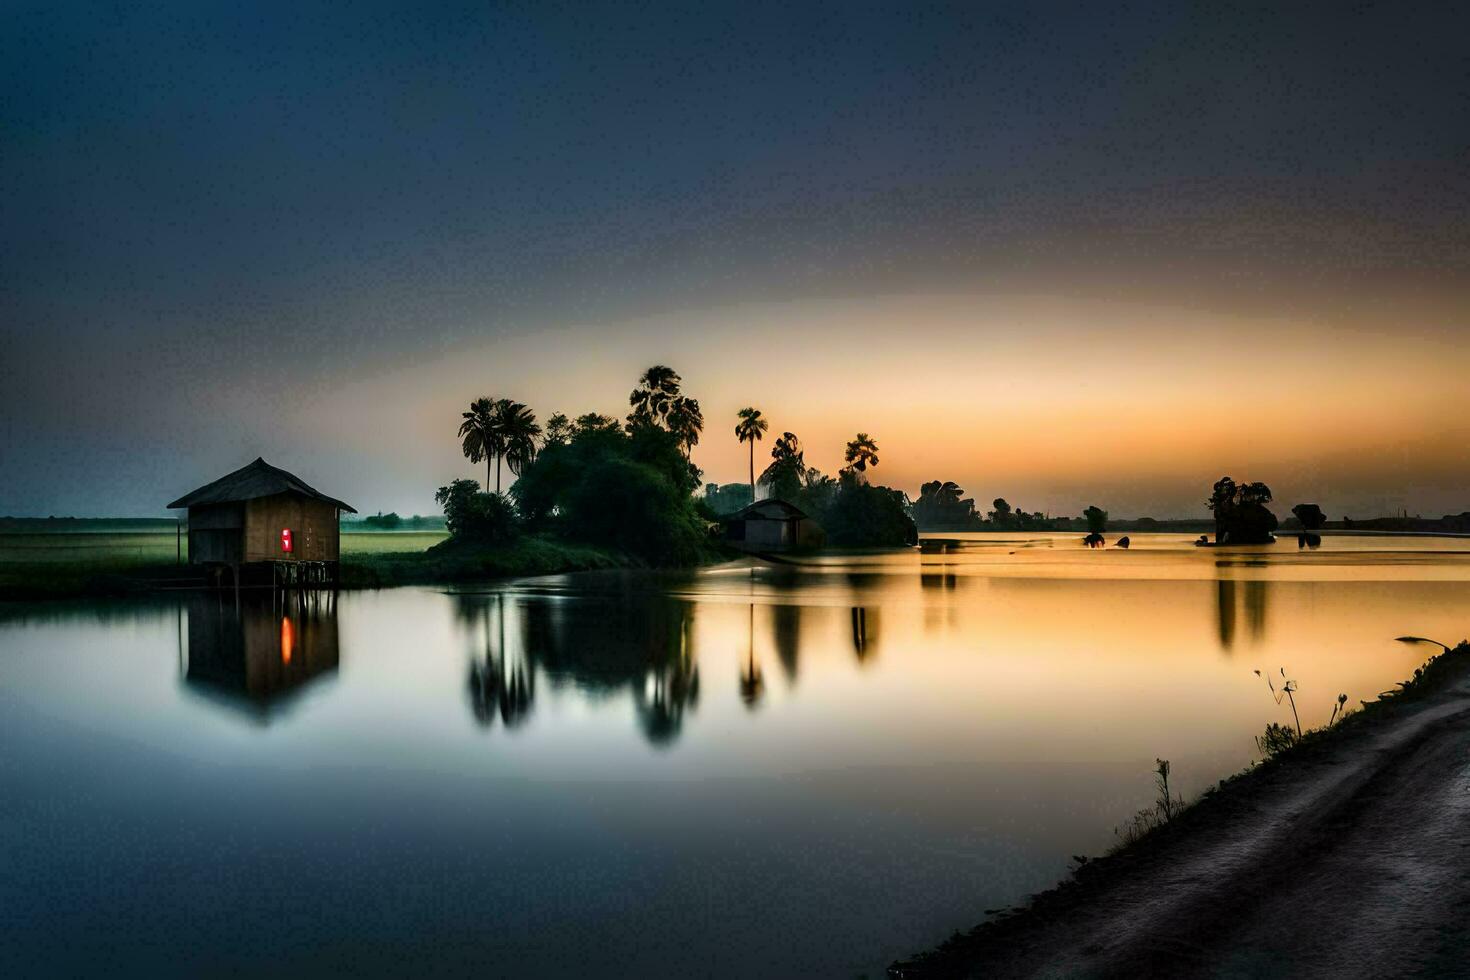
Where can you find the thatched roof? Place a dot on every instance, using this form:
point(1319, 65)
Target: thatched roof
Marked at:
point(771, 509)
point(259, 479)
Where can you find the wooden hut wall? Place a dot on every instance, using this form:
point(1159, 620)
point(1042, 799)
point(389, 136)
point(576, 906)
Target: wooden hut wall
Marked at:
point(313, 525)
point(214, 533)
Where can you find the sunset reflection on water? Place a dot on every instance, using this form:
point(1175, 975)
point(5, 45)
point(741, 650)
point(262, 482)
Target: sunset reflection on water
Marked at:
point(847, 756)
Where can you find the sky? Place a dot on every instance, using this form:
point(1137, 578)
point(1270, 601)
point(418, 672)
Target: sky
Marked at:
point(1067, 254)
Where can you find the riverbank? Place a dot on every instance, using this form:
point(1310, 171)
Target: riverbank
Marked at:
point(124, 573)
point(450, 562)
point(1343, 856)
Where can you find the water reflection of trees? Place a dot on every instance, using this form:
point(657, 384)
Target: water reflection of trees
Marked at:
point(786, 637)
point(864, 632)
point(752, 682)
point(1236, 599)
point(501, 683)
point(638, 644)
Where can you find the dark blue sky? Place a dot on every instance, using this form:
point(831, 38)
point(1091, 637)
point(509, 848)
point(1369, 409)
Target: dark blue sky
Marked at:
point(269, 199)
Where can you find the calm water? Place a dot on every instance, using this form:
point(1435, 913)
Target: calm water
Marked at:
point(738, 772)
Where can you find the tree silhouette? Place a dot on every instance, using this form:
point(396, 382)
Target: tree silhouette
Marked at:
point(862, 452)
point(1250, 494)
point(480, 435)
point(595, 422)
point(944, 504)
point(788, 465)
point(752, 681)
point(558, 430)
point(686, 422)
point(1240, 512)
point(516, 434)
point(653, 399)
point(1097, 519)
point(751, 428)
point(1310, 515)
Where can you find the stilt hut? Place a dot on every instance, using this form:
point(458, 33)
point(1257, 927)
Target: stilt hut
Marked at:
point(261, 518)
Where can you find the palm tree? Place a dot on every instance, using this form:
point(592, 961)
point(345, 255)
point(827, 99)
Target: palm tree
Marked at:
point(686, 422)
point(517, 430)
point(862, 452)
point(751, 428)
point(655, 395)
point(480, 434)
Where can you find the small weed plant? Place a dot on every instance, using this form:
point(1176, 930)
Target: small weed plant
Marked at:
point(1165, 808)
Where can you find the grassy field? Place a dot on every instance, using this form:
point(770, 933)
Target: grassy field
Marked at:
point(39, 565)
point(120, 550)
point(389, 542)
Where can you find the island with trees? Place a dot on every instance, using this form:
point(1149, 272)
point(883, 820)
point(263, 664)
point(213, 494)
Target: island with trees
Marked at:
point(594, 491)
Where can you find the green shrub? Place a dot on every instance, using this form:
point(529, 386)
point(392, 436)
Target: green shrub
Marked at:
point(470, 515)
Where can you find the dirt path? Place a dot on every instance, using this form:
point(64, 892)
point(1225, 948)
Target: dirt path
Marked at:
point(1350, 860)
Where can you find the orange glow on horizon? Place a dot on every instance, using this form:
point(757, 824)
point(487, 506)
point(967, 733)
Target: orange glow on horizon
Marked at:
point(1051, 403)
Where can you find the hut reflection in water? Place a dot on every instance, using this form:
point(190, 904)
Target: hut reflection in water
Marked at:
point(255, 655)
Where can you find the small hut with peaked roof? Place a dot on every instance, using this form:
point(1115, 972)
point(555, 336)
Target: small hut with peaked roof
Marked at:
point(772, 525)
point(261, 514)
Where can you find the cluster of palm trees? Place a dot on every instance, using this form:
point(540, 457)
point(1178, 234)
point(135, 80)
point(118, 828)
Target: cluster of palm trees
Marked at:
point(861, 452)
point(499, 430)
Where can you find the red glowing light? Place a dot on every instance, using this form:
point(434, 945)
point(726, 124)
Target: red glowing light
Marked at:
point(285, 539)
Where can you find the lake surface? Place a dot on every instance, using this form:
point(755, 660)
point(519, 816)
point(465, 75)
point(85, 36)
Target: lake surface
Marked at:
point(741, 771)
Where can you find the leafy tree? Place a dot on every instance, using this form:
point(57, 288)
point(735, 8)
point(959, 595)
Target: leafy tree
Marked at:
point(943, 504)
point(862, 515)
point(558, 430)
point(654, 398)
point(686, 421)
point(861, 453)
point(1240, 512)
point(1222, 500)
point(594, 423)
point(1097, 519)
point(625, 488)
point(783, 477)
point(1310, 516)
point(474, 516)
point(751, 428)
point(726, 499)
point(1251, 494)
point(1001, 515)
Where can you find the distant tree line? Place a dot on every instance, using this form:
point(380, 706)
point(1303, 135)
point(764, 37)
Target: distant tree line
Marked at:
point(631, 485)
point(392, 522)
point(943, 506)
